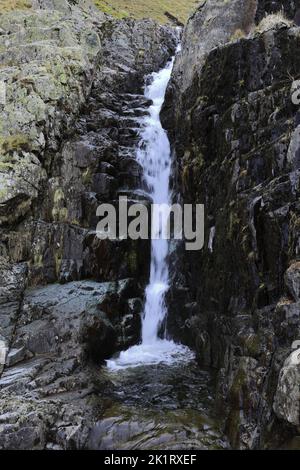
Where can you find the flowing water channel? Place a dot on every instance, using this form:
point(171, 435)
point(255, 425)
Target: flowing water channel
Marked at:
point(158, 398)
point(154, 154)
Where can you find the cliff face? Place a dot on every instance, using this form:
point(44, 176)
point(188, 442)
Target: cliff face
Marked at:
point(235, 132)
point(73, 92)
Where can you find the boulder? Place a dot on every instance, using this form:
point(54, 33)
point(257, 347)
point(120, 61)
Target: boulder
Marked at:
point(97, 335)
point(287, 397)
point(292, 281)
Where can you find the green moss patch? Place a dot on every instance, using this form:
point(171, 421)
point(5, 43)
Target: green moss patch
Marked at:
point(154, 9)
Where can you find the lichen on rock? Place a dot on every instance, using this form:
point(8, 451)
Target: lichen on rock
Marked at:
point(73, 80)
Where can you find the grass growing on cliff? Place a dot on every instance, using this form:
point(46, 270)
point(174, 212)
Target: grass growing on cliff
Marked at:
point(155, 9)
point(8, 5)
point(273, 20)
point(139, 9)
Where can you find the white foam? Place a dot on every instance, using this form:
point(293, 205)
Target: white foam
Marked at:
point(159, 352)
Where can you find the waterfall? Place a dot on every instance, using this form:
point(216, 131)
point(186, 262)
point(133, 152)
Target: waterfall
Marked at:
point(154, 155)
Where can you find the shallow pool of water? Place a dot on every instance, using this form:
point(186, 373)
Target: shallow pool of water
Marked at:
point(154, 407)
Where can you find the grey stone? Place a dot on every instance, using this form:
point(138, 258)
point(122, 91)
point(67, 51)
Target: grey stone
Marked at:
point(287, 398)
point(14, 356)
point(292, 281)
point(103, 184)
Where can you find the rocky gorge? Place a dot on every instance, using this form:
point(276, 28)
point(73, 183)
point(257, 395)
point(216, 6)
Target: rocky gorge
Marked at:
point(74, 95)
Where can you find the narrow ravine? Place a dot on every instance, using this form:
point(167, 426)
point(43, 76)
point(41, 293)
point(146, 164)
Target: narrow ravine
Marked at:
point(154, 155)
point(157, 396)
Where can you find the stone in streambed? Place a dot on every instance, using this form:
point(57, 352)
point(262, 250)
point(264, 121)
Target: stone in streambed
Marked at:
point(292, 281)
point(287, 398)
point(97, 335)
point(14, 356)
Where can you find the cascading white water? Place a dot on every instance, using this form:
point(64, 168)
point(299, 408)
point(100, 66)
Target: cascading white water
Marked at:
point(154, 154)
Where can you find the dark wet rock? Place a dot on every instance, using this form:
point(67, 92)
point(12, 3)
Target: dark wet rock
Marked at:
point(103, 184)
point(97, 334)
point(237, 152)
point(109, 260)
point(51, 375)
point(48, 312)
point(217, 23)
point(289, 7)
point(149, 408)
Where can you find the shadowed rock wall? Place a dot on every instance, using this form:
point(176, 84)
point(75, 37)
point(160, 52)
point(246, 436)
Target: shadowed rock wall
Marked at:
point(235, 133)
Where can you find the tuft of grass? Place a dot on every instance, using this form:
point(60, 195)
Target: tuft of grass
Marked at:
point(238, 34)
point(154, 9)
point(139, 9)
point(110, 9)
point(8, 5)
point(271, 21)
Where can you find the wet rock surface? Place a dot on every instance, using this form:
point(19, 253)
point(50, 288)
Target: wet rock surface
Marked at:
point(159, 407)
point(61, 333)
point(234, 128)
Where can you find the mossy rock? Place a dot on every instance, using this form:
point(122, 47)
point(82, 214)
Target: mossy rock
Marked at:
point(14, 142)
